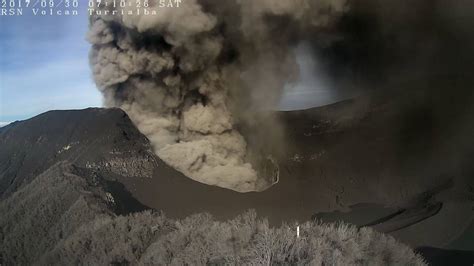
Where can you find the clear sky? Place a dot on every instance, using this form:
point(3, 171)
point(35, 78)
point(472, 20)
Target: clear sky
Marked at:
point(44, 65)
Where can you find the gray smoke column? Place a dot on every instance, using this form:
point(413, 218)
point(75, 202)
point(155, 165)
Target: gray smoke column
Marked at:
point(189, 74)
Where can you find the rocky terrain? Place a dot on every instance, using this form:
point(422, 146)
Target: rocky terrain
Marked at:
point(104, 142)
point(63, 202)
point(65, 170)
point(61, 218)
point(339, 156)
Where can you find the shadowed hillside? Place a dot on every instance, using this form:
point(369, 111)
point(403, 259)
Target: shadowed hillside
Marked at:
point(61, 218)
point(95, 162)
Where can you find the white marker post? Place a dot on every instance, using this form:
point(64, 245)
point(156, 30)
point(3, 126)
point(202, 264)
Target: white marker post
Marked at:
point(298, 231)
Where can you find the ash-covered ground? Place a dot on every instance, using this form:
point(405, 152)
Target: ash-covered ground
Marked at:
point(366, 184)
point(64, 202)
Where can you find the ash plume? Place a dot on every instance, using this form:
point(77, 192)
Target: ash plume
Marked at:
point(189, 75)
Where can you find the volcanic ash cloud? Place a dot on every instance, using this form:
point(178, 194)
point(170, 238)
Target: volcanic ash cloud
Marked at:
point(187, 76)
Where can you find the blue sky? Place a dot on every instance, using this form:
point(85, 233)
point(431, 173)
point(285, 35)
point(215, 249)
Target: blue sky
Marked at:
point(44, 65)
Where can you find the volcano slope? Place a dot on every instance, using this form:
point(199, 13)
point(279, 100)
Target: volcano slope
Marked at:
point(364, 151)
point(63, 202)
point(336, 157)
